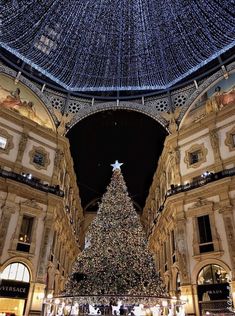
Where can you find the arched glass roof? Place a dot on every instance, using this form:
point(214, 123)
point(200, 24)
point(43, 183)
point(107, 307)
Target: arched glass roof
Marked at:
point(117, 44)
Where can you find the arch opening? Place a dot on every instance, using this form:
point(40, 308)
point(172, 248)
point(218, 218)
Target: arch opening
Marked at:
point(128, 136)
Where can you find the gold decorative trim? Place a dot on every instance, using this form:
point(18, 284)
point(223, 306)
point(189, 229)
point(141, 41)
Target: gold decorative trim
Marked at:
point(195, 148)
point(230, 139)
point(9, 141)
point(44, 153)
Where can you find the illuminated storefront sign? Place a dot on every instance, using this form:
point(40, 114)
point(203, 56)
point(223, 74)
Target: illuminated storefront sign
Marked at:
point(9, 288)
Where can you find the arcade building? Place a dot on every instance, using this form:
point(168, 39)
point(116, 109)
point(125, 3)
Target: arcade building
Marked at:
point(188, 211)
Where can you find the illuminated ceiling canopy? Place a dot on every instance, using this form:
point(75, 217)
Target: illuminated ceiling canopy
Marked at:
point(117, 44)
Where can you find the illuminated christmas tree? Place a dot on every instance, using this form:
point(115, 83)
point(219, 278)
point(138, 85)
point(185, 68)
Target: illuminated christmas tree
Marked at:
point(116, 260)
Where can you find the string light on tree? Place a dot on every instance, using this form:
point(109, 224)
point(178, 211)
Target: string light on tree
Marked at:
point(117, 261)
point(116, 267)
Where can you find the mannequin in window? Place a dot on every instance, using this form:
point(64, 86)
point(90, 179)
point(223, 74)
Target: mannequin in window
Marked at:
point(218, 276)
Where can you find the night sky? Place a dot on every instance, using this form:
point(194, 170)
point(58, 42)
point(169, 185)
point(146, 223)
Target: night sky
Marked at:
point(100, 139)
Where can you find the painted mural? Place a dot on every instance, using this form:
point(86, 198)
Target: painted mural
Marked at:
point(221, 95)
point(18, 98)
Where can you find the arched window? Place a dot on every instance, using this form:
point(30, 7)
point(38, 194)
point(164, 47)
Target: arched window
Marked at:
point(16, 271)
point(212, 274)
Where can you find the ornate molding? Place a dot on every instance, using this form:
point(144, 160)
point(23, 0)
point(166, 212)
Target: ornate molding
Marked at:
point(31, 204)
point(9, 141)
point(99, 107)
point(230, 139)
point(195, 148)
point(201, 202)
point(45, 155)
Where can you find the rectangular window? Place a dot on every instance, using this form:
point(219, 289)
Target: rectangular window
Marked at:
point(26, 229)
point(205, 236)
point(233, 140)
point(39, 158)
point(3, 142)
point(173, 246)
point(194, 157)
point(165, 256)
point(25, 234)
point(53, 246)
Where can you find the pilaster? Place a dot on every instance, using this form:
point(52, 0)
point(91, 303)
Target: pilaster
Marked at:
point(21, 150)
point(229, 225)
point(181, 246)
point(59, 156)
point(8, 209)
point(45, 246)
point(187, 294)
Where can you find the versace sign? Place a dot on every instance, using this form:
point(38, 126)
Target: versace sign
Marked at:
point(9, 288)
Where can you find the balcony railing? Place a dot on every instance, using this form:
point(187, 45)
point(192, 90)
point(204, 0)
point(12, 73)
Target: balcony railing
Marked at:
point(206, 178)
point(32, 182)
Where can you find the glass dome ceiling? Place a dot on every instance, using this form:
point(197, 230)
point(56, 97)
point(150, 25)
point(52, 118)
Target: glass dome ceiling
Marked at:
point(116, 45)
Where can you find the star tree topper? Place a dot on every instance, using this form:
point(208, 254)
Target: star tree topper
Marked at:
point(116, 165)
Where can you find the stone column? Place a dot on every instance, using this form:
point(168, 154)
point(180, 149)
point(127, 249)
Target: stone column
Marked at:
point(187, 294)
point(45, 248)
point(232, 286)
point(181, 248)
point(15, 236)
point(227, 213)
point(34, 236)
point(7, 210)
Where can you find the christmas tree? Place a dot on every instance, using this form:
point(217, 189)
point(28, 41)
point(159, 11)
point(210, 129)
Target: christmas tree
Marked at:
point(116, 261)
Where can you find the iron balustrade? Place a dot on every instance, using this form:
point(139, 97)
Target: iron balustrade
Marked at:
point(31, 181)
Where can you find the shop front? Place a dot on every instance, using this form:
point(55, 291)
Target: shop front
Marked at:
point(14, 290)
point(213, 290)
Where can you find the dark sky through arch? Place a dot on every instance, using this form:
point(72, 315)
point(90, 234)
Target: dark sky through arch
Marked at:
point(130, 137)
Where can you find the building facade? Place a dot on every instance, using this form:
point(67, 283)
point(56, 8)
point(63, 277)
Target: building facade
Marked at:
point(189, 214)
point(41, 218)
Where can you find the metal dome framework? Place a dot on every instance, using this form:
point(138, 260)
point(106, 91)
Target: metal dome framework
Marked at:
point(117, 45)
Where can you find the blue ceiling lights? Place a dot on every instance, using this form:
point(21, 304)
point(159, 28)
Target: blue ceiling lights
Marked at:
point(109, 45)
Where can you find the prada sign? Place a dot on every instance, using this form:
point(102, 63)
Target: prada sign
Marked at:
point(211, 292)
point(14, 289)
